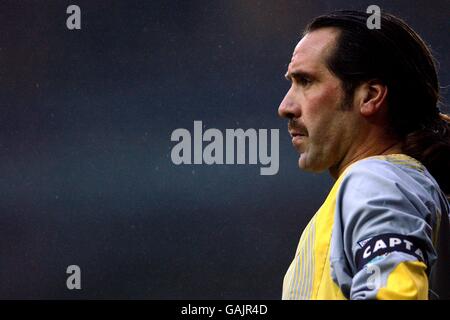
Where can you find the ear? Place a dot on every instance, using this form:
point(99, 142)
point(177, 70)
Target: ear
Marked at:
point(371, 97)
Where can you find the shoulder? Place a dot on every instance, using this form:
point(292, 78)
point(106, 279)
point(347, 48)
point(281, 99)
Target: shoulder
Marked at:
point(386, 196)
point(388, 175)
point(395, 184)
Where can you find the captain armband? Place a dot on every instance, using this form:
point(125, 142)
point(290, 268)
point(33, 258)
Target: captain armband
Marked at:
point(384, 244)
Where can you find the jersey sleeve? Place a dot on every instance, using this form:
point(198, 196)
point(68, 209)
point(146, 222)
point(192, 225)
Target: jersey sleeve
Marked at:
point(387, 223)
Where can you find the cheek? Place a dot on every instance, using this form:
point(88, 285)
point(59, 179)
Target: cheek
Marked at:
point(323, 105)
point(329, 94)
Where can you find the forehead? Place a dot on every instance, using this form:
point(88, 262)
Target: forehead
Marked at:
point(314, 48)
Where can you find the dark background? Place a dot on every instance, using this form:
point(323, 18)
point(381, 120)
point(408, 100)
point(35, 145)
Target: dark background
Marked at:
point(86, 117)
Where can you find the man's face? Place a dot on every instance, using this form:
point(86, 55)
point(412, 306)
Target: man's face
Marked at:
point(320, 124)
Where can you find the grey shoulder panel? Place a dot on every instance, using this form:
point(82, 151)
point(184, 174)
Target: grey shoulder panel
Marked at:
point(392, 207)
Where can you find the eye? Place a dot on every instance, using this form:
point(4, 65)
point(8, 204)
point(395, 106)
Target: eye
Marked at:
point(303, 81)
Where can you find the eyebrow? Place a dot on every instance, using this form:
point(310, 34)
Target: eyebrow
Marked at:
point(297, 74)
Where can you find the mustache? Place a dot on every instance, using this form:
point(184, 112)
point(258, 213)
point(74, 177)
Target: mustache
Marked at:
point(297, 126)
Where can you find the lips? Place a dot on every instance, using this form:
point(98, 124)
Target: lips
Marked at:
point(297, 133)
point(297, 139)
point(297, 129)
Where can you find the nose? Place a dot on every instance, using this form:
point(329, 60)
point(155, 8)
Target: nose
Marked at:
point(288, 108)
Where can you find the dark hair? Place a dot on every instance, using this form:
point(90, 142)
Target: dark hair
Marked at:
point(396, 56)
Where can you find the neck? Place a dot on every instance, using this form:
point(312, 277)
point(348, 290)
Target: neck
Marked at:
point(365, 152)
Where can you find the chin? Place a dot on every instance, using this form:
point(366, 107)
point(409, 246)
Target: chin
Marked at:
point(310, 165)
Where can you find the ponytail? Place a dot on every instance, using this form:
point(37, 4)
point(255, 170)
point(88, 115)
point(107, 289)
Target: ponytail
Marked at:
point(431, 146)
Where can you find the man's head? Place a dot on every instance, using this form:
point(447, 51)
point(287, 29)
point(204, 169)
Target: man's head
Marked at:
point(314, 105)
point(357, 91)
